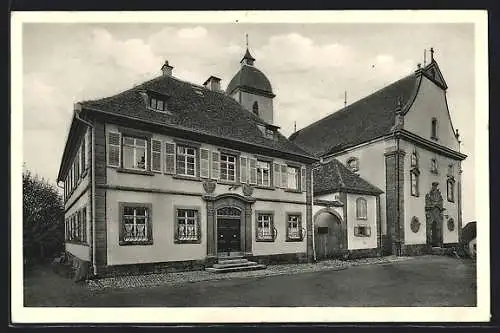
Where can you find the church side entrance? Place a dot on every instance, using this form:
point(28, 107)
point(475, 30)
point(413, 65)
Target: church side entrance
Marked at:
point(434, 216)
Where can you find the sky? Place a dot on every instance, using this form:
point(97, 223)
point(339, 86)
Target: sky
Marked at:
point(310, 66)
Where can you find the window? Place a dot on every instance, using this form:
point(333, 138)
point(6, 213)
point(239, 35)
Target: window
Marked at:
point(157, 104)
point(263, 173)
point(186, 161)
point(434, 166)
point(294, 227)
point(293, 178)
point(434, 129)
point(82, 157)
point(255, 108)
point(228, 167)
point(361, 209)
point(353, 164)
point(136, 225)
point(76, 226)
point(204, 163)
point(414, 183)
point(362, 231)
point(414, 159)
point(243, 169)
point(187, 226)
point(450, 190)
point(265, 227)
point(134, 153)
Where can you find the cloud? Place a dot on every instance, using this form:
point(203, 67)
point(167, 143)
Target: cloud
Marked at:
point(192, 33)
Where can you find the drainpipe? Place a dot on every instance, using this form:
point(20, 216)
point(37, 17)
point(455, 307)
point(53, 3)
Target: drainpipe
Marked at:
point(398, 242)
point(312, 215)
point(92, 181)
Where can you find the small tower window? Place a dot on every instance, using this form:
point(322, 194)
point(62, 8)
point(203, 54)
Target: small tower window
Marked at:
point(255, 108)
point(434, 125)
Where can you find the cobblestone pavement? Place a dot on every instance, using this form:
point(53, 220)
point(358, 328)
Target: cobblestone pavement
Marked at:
point(152, 280)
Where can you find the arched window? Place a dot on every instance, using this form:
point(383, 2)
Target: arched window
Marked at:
point(450, 190)
point(361, 209)
point(414, 159)
point(414, 182)
point(434, 129)
point(353, 164)
point(255, 108)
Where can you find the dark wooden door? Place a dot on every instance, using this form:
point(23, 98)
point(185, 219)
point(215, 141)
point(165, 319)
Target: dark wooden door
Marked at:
point(228, 235)
point(434, 235)
point(328, 237)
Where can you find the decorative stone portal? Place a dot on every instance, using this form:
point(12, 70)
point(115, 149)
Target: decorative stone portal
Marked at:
point(434, 216)
point(229, 225)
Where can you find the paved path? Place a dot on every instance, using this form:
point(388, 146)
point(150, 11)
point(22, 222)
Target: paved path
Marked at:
point(422, 281)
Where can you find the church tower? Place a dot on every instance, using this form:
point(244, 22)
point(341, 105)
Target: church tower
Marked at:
point(251, 88)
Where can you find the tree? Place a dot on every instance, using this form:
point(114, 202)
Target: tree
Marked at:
point(43, 218)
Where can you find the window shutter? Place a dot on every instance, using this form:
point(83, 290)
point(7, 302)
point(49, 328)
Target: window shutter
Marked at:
point(356, 231)
point(368, 231)
point(303, 179)
point(155, 155)
point(204, 163)
point(215, 164)
point(276, 175)
point(243, 169)
point(253, 170)
point(169, 158)
point(284, 176)
point(114, 150)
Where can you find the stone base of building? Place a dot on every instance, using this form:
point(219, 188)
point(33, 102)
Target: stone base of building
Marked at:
point(191, 265)
point(152, 268)
point(78, 269)
point(386, 245)
point(364, 253)
point(423, 249)
point(282, 258)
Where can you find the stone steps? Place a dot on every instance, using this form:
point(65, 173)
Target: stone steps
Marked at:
point(440, 251)
point(234, 265)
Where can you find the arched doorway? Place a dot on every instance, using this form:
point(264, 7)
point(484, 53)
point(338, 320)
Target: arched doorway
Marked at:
point(329, 234)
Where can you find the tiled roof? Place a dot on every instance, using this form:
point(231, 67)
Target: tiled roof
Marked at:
point(195, 108)
point(364, 120)
point(333, 176)
point(251, 78)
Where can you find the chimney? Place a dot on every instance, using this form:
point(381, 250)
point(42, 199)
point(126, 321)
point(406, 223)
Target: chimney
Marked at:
point(212, 83)
point(167, 69)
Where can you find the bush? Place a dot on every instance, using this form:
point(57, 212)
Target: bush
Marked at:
point(43, 219)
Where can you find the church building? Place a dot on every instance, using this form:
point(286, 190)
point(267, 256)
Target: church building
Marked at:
point(389, 176)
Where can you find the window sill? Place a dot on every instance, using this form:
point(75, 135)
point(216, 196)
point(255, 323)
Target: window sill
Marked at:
point(362, 236)
point(362, 218)
point(434, 138)
point(265, 240)
point(269, 188)
point(415, 195)
point(183, 177)
point(177, 241)
point(294, 240)
point(228, 182)
point(76, 242)
point(452, 201)
point(136, 172)
point(292, 191)
point(148, 242)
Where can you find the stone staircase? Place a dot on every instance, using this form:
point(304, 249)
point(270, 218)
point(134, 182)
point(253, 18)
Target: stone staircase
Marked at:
point(234, 264)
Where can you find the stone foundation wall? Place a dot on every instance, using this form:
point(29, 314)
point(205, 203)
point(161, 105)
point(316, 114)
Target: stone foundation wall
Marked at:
point(284, 258)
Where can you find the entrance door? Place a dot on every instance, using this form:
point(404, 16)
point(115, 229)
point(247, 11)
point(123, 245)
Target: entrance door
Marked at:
point(328, 237)
point(434, 236)
point(228, 230)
